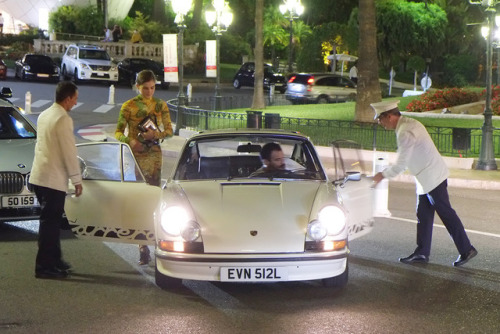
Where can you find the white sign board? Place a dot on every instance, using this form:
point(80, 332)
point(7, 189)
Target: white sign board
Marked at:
point(211, 59)
point(170, 67)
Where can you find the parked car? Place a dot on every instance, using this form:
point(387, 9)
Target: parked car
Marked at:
point(214, 220)
point(36, 67)
point(246, 73)
point(3, 70)
point(17, 150)
point(88, 62)
point(128, 69)
point(320, 88)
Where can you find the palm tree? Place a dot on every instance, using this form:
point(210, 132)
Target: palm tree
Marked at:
point(274, 32)
point(258, 92)
point(368, 80)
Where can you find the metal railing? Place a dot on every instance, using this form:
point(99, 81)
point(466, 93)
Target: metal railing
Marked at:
point(457, 142)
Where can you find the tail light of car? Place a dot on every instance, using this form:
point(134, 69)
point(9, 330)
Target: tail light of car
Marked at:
point(310, 83)
point(292, 79)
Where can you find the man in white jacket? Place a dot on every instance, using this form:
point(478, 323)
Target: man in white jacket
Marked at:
point(55, 163)
point(418, 154)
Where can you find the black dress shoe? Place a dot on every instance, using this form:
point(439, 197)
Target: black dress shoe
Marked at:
point(463, 258)
point(51, 273)
point(63, 265)
point(414, 258)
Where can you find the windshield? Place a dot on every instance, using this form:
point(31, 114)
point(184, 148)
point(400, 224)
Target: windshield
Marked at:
point(238, 156)
point(14, 126)
point(94, 54)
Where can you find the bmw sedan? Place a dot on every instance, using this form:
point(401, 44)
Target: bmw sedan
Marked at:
point(17, 150)
point(215, 219)
point(246, 73)
point(36, 67)
point(129, 67)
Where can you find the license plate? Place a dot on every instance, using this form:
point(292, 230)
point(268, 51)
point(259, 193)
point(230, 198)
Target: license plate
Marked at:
point(101, 74)
point(42, 75)
point(20, 201)
point(253, 274)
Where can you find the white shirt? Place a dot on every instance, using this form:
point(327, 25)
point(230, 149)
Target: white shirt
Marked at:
point(418, 154)
point(353, 73)
point(55, 151)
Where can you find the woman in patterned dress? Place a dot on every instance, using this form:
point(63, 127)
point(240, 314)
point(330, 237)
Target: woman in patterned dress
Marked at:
point(145, 144)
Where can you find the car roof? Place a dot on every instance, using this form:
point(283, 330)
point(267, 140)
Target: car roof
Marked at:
point(88, 47)
point(239, 132)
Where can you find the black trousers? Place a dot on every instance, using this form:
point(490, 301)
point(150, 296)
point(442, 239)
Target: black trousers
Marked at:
point(437, 200)
point(51, 217)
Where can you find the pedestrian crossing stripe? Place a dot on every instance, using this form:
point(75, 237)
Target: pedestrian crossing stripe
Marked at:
point(40, 103)
point(104, 108)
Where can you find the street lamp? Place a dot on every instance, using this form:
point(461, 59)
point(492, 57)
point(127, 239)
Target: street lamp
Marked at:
point(487, 155)
point(180, 8)
point(291, 9)
point(219, 17)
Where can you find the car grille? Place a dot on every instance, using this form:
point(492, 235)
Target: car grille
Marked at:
point(100, 68)
point(11, 182)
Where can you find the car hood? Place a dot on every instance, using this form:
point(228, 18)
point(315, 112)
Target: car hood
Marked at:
point(252, 217)
point(16, 153)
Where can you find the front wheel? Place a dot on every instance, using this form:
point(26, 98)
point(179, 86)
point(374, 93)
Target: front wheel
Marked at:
point(166, 282)
point(236, 83)
point(75, 76)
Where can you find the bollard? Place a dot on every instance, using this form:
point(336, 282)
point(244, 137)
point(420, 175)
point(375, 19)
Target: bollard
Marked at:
point(27, 102)
point(189, 92)
point(271, 94)
point(381, 194)
point(111, 99)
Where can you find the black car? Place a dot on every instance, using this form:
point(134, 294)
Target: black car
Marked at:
point(36, 67)
point(17, 150)
point(129, 67)
point(246, 73)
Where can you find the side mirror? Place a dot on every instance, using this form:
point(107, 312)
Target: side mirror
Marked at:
point(6, 92)
point(350, 176)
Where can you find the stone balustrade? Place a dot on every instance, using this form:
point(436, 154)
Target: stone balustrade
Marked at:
point(118, 50)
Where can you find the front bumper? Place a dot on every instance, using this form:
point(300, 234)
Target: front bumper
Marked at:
point(86, 74)
point(208, 267)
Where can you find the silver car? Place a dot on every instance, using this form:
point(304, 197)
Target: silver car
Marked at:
point(17, 149)
point(320, 88)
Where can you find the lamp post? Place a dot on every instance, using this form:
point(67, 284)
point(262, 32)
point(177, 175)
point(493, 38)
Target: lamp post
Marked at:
point(181, 8)
point(486, 155)
point(219, 17)
point(291, 9)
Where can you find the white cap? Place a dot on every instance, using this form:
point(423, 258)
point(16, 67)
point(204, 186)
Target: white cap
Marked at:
point(384, 106)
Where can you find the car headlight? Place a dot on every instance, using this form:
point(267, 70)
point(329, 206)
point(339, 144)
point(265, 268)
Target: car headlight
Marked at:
point(331, 221)
point(85, 67)
point(27, 67)
point(176, 222)
point(56, 69)
point(113, 68)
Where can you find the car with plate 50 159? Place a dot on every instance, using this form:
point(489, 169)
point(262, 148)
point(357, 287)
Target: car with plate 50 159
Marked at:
point(17, 150)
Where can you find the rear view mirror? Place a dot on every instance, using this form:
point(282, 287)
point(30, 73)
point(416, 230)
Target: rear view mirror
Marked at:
point(249, 148)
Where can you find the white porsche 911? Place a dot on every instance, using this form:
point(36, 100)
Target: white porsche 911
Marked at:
point(215, 221)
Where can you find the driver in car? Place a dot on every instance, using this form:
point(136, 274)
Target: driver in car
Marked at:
point(273, 159)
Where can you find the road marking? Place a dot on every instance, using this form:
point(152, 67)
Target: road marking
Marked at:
point(442, 226)
point(77, 105)
point(104, 108)
point(13, 99)
point(40, 103)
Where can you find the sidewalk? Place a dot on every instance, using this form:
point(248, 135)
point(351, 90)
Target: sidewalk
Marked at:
point(462, 175)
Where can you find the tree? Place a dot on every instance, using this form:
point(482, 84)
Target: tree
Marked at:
point(368, 81)
point(274, 34)
point(258, 92)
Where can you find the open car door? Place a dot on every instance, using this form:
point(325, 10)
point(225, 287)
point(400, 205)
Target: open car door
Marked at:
point(354, 186)
point(116, 204)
